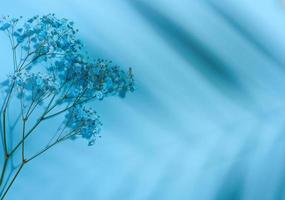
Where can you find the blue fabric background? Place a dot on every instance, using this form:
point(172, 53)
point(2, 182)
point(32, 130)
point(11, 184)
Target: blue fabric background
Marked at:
point(207, 121)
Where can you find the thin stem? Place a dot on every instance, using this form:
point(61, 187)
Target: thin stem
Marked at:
point(34, 127)
point(24, 124)
point(7, 180)
point(23, 143)
point(42, 151)
point(76, 102)
point(11, 183)
point(25, 136)
point(5, 106)
point(4, 170)
point(59, 140)
point(4, 112)
point(4, 132)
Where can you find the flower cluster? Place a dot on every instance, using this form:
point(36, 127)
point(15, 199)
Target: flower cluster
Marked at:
point(7, 22)
point(52, 77)
point(51, 69)
point(35, 86)
point(49, 35)
point(41, 38)
point(83, 122)
point(97, 79)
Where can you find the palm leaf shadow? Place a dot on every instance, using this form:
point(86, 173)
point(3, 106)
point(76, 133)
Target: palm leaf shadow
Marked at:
point(245, 33)
point(213, 68)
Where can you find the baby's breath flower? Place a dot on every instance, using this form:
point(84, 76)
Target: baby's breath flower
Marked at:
point(52, 67)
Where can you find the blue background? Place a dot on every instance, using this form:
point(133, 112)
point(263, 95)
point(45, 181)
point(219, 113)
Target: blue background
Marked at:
point(207, 119)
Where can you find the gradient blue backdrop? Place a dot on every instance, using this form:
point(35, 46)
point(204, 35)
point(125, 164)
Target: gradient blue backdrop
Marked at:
point(207, 121)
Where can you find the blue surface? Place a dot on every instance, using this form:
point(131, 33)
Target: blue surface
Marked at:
point(207, 119)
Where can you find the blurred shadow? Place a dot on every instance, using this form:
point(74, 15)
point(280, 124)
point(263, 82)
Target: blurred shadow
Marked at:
point(150, 99)
point(244, 33)
point(232, 186)
point(278, 147)
point(213, 68)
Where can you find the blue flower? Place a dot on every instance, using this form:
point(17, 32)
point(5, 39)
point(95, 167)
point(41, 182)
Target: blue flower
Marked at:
point(85, 122)
point(5, 26)
point(52, 64)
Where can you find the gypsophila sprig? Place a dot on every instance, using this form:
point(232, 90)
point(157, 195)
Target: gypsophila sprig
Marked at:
point(51, 79)
point(84, 122)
